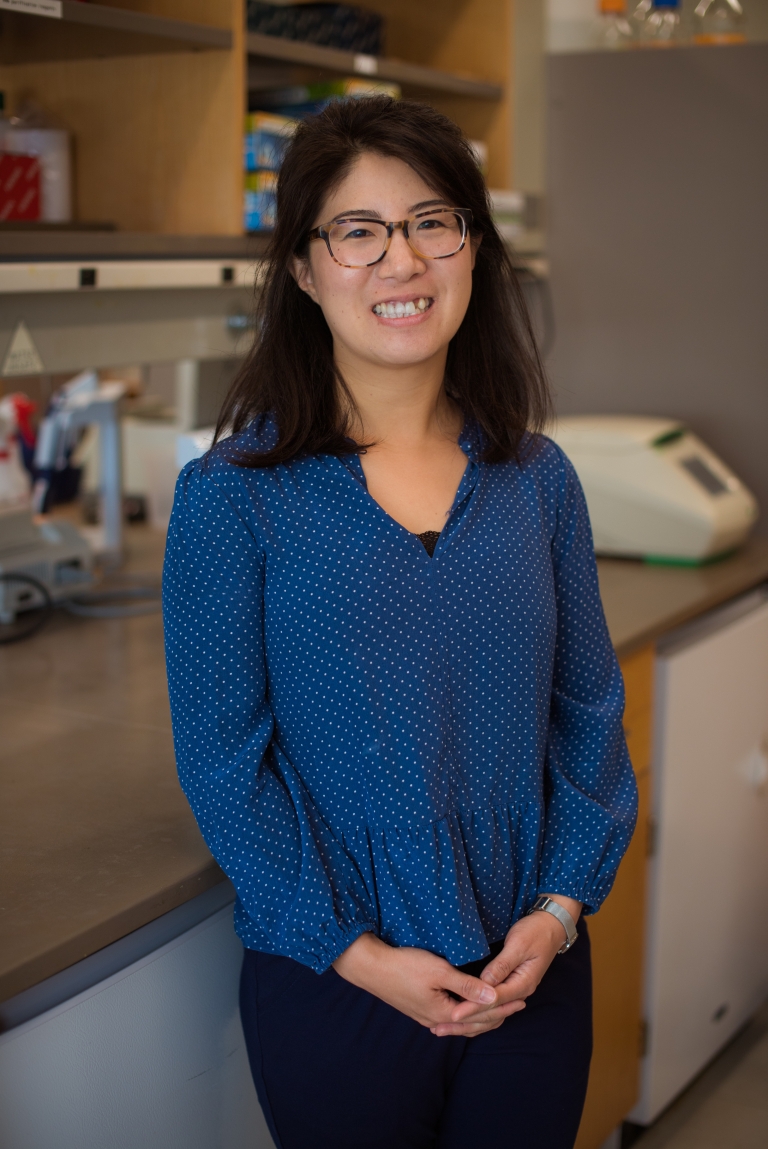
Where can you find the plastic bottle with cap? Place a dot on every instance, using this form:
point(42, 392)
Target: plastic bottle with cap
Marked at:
point(658, 24)
point(612, 28)
point(719, 22)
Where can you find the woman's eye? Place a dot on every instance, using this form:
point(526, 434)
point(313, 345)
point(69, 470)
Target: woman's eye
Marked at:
point(360, 232)
point(430, 224)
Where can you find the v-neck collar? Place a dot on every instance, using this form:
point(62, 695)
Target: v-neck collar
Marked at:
point(470, 443)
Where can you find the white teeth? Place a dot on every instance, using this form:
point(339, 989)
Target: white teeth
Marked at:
point(399, 310)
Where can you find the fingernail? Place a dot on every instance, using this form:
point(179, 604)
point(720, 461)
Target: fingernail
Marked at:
point(487, 995)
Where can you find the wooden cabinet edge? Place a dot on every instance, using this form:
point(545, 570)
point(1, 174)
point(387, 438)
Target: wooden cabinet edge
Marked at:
point(617, 937)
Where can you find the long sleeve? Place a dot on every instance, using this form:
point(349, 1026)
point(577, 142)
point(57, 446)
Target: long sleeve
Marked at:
point(298, 893)
point(591, 804)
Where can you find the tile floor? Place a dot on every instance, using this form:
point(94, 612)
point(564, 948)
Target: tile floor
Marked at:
point(725, 1108)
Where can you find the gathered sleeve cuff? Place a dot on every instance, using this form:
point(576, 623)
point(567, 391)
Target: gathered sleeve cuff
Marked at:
point(591, 793)
point(299, 894)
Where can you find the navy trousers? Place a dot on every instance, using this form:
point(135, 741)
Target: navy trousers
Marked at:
point(336, 1068)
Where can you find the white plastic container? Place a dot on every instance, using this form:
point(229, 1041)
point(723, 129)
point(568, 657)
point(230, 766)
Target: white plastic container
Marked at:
point(51, 146)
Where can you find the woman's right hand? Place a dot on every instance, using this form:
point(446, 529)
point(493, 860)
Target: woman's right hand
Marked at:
point(420, 984)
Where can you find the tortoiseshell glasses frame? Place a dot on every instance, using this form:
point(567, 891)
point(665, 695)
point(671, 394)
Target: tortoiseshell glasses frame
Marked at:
point(434, 239)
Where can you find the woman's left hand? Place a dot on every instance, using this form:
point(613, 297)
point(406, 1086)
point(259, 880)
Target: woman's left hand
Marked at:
point(529, 949)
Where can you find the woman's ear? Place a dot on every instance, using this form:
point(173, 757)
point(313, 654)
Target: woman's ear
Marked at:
point(474, 244)
point(301, 271)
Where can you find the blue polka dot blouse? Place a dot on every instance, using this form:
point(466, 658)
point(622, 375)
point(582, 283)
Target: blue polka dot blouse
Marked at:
point(373, 739)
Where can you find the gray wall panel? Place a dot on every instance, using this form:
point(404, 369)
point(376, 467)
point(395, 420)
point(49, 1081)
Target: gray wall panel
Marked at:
point(73, 330)
point(658, 192)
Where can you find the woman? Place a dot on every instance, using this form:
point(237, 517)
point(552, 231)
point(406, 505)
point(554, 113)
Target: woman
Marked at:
point(396, 708)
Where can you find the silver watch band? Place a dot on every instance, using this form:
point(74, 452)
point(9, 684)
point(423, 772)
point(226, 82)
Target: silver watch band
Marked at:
point(566, 921)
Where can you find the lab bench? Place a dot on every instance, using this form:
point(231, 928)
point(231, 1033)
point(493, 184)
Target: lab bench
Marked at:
point(104, 864)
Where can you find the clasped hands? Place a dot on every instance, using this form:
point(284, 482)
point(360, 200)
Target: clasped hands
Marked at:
point(426, 987)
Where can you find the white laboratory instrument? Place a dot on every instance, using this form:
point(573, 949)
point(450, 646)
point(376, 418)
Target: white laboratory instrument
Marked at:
point(45, 562)
point(81, 403)
point(654, 490)
point(40, 562)
point(707, 915)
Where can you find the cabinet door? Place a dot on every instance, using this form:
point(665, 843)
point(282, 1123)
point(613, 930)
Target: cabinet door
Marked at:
point(708, 890)
point(616, 933)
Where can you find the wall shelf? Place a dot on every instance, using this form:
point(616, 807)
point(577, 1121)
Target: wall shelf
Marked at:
point(152, 94)
point(418, 76)
point(82, 246)
point(86, 31)
point(89, 276)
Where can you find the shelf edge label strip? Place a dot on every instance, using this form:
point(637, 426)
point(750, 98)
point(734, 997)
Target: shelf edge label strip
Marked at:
point(50, 8)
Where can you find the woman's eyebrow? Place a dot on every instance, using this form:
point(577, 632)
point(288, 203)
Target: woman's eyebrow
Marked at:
point(370, 212)
point(428, 203)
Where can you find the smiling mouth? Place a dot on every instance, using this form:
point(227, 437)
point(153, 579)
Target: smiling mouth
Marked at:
point(399, 310)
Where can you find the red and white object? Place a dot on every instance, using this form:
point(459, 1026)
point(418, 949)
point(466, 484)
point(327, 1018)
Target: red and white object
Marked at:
point(51, 147)
point(15, 412)
point(20, 197)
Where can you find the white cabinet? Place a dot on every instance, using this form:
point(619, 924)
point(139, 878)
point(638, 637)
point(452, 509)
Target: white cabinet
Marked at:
point(707, 928)
point(152, 1057)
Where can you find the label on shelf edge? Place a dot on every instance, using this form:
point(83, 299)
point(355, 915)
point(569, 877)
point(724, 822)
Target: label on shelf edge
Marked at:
point(34, 7)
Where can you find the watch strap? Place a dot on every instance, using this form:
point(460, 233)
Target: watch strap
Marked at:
point(549, 906)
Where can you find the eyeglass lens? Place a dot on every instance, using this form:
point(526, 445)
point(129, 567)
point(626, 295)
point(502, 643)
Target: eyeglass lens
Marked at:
point(357, 243)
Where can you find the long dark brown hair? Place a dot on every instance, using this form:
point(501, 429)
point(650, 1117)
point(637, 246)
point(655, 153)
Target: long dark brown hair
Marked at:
point(493, 369)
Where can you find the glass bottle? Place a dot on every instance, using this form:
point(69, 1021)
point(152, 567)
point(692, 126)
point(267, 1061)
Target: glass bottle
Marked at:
point(719, 22)
point(640, 14)
point(658, 23)
point(612, 28)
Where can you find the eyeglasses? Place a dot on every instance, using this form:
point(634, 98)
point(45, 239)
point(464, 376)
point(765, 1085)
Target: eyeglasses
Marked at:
point(362, 242)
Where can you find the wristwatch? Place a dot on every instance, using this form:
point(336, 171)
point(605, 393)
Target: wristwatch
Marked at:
point(566, 921)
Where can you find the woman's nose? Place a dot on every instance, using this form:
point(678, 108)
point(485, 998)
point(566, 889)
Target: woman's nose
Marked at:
point(401, 260)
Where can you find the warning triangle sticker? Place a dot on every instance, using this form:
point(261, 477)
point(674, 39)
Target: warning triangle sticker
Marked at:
point(22, 357)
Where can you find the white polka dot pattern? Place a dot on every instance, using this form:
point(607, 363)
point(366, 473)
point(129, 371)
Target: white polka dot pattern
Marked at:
point(371, 739)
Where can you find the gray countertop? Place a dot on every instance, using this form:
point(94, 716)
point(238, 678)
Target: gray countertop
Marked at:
point(643, 602)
